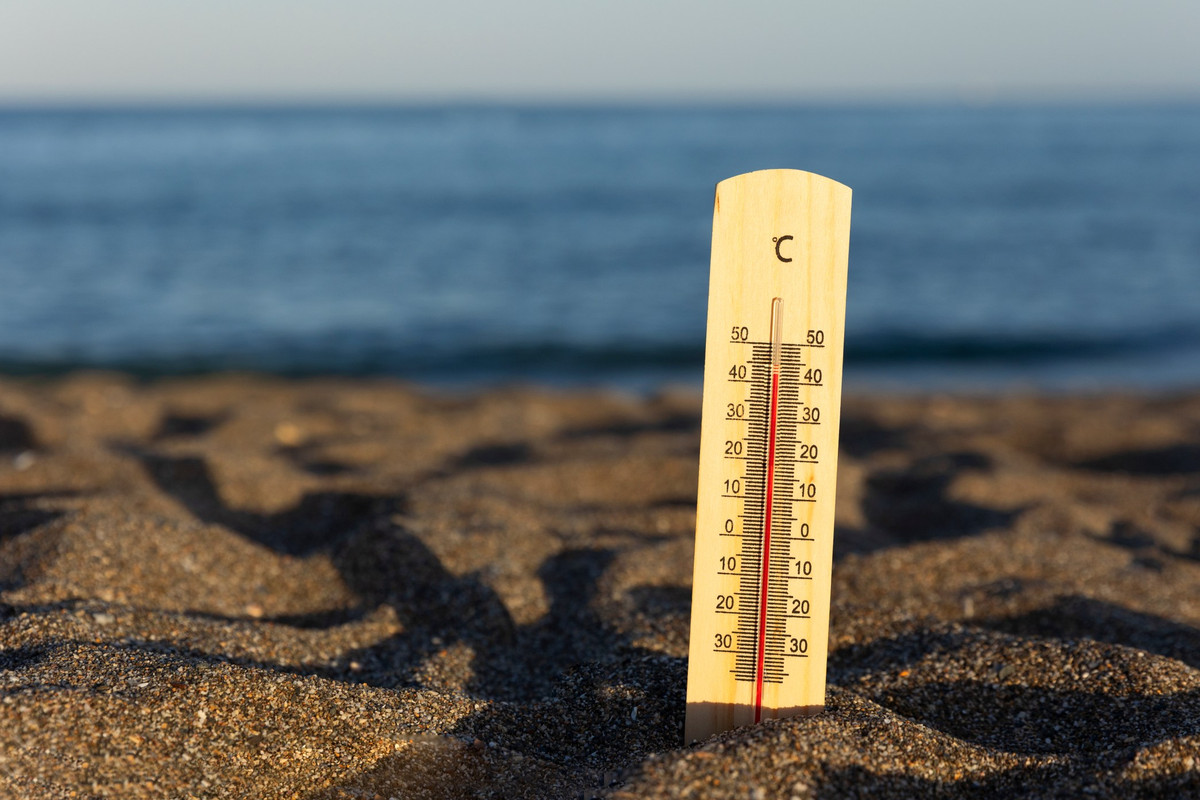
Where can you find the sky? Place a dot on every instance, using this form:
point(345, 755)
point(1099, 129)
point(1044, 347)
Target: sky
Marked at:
point(557, 50)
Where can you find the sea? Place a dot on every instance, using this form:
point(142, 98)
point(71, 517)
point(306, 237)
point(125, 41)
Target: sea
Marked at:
point(993, 247)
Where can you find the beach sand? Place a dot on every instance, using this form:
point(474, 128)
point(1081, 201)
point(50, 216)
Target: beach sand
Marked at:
point(249, 587)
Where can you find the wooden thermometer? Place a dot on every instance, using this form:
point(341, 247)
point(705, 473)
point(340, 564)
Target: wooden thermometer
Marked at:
point(768, 450)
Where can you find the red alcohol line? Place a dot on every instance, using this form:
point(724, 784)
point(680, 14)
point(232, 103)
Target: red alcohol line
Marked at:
point(766, 544)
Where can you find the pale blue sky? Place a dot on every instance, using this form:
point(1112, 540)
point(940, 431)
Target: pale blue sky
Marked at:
point(123, 50)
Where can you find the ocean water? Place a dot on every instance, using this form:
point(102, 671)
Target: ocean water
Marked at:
point(991, 247)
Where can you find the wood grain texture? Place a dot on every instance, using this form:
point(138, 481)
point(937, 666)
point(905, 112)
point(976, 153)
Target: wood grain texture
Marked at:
point(776, 234)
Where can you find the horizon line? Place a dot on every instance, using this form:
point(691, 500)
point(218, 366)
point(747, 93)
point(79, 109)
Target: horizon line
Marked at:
point(1074, 98)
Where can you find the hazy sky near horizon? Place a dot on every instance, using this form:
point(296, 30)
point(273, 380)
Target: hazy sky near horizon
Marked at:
point(129, 50)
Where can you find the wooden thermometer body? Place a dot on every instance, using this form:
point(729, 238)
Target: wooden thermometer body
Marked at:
point(768, 450)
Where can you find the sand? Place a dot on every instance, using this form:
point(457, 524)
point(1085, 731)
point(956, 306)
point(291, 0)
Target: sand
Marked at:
point(248, 587)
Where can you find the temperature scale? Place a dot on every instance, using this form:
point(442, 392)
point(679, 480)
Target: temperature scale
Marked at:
point(768, 450)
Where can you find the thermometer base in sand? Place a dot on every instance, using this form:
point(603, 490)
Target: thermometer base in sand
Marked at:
point(768, 450)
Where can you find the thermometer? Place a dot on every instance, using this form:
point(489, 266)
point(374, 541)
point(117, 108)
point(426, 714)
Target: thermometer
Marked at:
point(768, 450)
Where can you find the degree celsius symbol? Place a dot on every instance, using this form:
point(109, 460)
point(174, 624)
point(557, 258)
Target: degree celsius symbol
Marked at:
point(779, 240)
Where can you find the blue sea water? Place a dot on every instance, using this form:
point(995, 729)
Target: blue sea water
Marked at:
point(991, 246)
